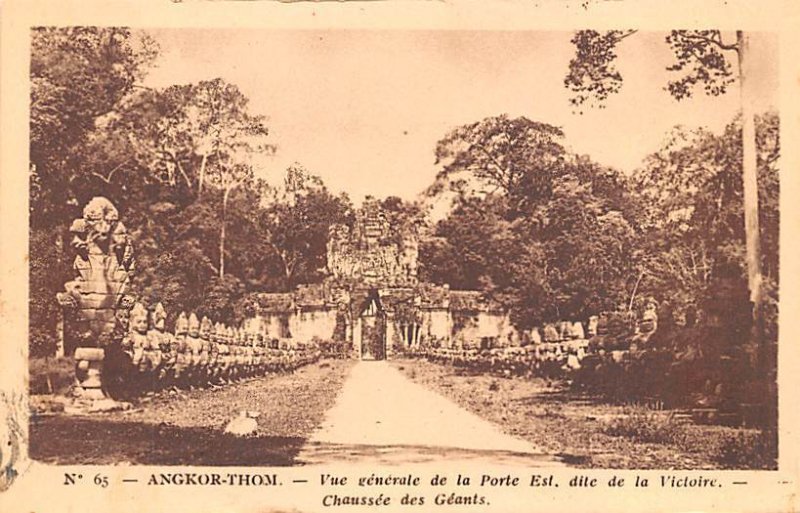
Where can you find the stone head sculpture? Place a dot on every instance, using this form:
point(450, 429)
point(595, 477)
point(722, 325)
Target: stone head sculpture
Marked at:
point(78, 229)
point(159, 317)
point(592, 325)
point(138, 319)
point(194, 326)
point(182, 324)
point(206, 328)
point(100, 218)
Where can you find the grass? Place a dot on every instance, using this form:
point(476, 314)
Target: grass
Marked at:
point(757, 450)
point(587, 432)
point(643, 425)
point(50, 375)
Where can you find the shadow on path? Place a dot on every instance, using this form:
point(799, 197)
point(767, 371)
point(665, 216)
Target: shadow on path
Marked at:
point(321, 453)
point(68, 440)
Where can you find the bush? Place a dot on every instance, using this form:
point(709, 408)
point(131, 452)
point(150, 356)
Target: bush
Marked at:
point(46, 277)
point(51, 375)
point(333, 349)
point(750, 450)
point(643, 425)
point(42, 341)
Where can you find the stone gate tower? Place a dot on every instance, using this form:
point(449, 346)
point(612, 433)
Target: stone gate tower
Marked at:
point(372, 296)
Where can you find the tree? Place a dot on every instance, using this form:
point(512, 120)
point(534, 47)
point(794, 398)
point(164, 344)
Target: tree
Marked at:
point(295, 225)
point(700, 57)
point(467, 243)
point(239, 137)
point(545, 232)
point(568, 256)
point(693, 209)
point(588, 250)
point(515, 157)
point(701, 60)
point(162, 139)
point(78, 75)
point(183, 130)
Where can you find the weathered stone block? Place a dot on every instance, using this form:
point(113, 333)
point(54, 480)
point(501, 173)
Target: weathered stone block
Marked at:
point(90, 354)
point(97, 300)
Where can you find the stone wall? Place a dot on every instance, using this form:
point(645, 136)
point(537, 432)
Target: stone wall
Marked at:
point(311, 324)
point(270, 325)
point(436, 324)
point(469, 329)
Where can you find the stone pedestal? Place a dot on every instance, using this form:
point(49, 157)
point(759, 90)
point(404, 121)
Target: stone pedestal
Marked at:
point(89, 372)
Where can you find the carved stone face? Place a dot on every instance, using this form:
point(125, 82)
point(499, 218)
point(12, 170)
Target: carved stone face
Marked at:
point(120, 235)
point(159, 317)
point(100, 216)
point(138, 323)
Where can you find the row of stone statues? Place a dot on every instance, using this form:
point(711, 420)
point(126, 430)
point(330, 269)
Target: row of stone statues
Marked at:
point(506, 362)
point(199, 352)
point(97, 304)
point(553, 349)
point(607, 323)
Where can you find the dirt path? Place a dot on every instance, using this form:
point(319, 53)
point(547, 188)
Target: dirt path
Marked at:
point(187, 429)
point(381, 416)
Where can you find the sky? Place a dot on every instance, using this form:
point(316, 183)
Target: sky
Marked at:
point(364, 109)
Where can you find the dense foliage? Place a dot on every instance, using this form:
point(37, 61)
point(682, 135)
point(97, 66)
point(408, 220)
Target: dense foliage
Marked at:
point(547, 233)
point(182, 165)
point(586, 239)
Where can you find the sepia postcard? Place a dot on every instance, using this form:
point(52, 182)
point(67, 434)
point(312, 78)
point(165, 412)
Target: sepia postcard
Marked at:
point(406, 256)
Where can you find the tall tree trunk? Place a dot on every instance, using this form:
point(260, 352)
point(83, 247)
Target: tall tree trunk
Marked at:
point(202, 177)
point(749, 177)
point(222, 233)
point(765, 352)
point(635, 289)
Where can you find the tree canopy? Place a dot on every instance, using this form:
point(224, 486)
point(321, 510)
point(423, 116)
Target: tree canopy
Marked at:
point(547, 233)
point(183, 164)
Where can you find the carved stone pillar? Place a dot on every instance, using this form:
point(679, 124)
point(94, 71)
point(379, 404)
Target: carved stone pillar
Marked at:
point(103, 267)
point(389, 335)
point(357, 337)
